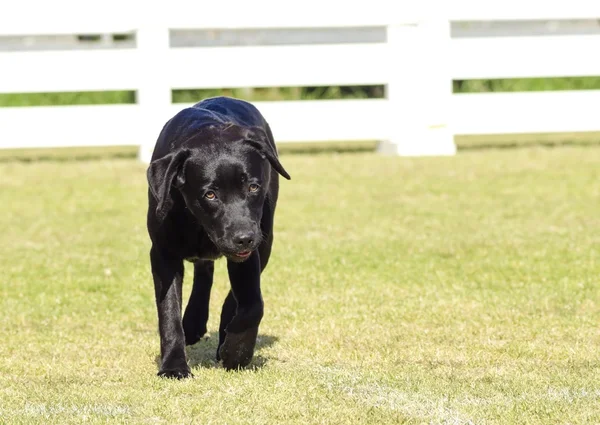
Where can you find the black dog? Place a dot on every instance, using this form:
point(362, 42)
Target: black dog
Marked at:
point(212, 193)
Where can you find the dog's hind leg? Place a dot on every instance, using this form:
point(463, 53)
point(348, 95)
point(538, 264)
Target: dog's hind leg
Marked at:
point(227, 315)
point(196, 312)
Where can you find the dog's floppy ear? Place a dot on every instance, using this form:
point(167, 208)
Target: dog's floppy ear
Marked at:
point(258, 139)
point(164, 173)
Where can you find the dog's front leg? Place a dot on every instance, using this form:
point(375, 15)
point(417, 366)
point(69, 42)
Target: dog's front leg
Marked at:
point(168, 279)
point(237, 348)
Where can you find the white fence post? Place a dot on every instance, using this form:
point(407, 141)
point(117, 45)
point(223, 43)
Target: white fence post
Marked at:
point(419, 89)
point(154, 91)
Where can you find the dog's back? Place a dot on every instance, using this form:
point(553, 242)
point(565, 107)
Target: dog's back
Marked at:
point(218, 111)
point(229, 110)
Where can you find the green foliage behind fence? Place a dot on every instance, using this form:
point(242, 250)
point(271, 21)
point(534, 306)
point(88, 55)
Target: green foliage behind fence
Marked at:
point(297, 93)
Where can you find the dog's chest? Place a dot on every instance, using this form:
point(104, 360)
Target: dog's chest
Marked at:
point(202, 256)
point(199, 247)
point(205, 257)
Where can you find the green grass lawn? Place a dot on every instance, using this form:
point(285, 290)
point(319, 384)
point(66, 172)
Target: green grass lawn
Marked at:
point(457, 290)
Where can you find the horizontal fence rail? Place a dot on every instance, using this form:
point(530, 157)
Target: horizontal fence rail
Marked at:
point(525, 57)
point(416, 63)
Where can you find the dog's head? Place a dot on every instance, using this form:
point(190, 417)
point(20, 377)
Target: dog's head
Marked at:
point(224, 183)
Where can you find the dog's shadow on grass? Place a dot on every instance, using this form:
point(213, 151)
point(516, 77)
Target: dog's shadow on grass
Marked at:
point(204, 352)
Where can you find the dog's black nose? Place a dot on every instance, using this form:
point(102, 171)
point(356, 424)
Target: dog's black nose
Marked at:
point(244, 240)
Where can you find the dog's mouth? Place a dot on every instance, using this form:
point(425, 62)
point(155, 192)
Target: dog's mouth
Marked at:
point(238, 256)
point(238, 253)
point(243, 254)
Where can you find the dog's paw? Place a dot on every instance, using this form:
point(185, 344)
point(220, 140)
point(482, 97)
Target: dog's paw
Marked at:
point(193, 330)
point(192, 336)
point(238, 349)
point(179, 373)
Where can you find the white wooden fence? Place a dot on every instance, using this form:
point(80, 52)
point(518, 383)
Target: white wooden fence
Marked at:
point(417, 64)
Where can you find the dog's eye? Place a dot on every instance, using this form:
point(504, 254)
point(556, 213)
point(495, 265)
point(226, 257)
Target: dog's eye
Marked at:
point(253, 188)
point(210, 195)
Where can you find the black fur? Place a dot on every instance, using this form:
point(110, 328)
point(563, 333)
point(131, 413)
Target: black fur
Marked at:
point(213, 185)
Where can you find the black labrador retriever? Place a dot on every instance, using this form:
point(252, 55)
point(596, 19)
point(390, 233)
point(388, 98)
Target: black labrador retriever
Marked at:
point(213, 187)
